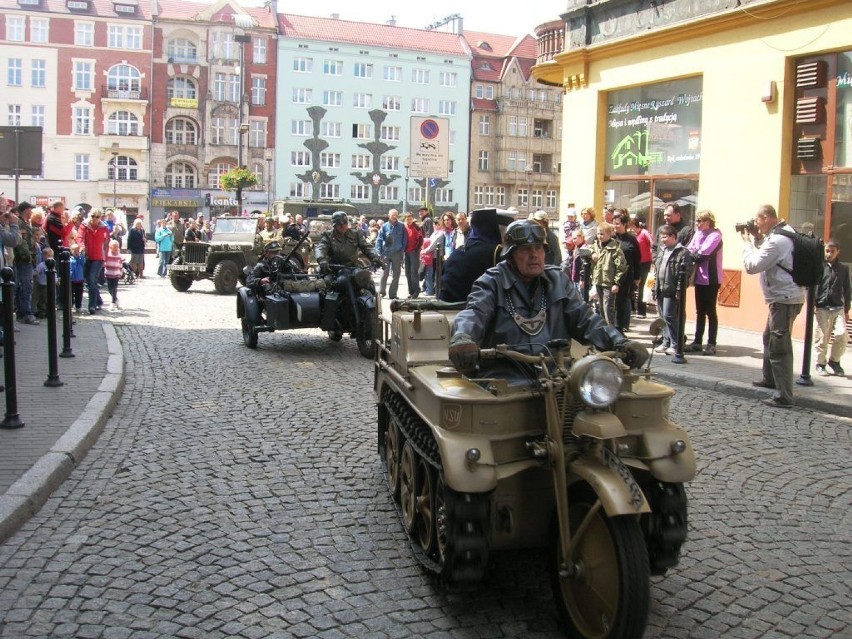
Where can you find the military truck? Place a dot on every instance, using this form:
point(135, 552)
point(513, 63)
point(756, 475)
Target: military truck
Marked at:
point(234, 245)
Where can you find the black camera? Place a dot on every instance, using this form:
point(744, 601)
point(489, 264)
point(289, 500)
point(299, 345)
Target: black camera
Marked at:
point(746, 226)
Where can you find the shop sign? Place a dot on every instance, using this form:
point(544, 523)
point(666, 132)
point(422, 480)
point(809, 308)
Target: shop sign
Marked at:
point(184, 103)
point(655, 129)
point(174, 202)
point(223, 200)
point(46, 200)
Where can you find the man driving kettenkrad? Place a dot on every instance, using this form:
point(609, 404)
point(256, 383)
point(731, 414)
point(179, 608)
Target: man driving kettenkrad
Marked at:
point(525, 304)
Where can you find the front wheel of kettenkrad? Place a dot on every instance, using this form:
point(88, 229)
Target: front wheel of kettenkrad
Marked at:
point(603, 590)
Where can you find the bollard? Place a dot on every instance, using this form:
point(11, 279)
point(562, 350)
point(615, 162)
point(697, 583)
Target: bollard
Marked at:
point(65, 293)
point(52, 361)
point(680, 295)
point(12, 419)
point(805, 377)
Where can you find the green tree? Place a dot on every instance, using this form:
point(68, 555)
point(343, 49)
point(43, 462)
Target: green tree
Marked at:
point(238, 179)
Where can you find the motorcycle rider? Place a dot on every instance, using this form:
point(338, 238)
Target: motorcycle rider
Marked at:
point(526, 304)
point(342, 245)
point(262, 280)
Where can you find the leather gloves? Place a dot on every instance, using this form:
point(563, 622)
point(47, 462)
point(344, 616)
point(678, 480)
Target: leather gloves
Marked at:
point(464, 353)
point(634, 354)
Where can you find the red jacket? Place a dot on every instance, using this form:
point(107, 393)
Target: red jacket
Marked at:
point(95, 242)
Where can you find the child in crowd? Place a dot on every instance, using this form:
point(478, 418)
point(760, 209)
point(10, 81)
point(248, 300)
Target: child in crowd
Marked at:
point(78, 277)
point(610, 266)
point(113, 266)
point(40, 281)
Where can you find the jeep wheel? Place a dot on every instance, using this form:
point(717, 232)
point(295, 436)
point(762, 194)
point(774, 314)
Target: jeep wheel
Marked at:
point(225, 277)
point(180, 283)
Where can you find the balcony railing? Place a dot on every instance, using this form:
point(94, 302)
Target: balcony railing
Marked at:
point(550, 40)
point(124, 94)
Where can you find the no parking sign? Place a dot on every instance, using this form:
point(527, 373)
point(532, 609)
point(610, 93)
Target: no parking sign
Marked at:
point(430, 142)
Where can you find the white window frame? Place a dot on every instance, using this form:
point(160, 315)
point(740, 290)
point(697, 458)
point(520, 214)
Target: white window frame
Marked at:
point(448, 78)
point(363, 70)
point(329, 160)
point(482, 161)
point(329, 190)
point(420, 76)
point(362, 100)
point(302, 64)
point(82, 120)
point(359, 191)
point(331, 129)
point(389, 193)
point(332, 67)
point(39, 30)
point(443, 196)
point(258, 50)
point(478, 195)
point(362, 161)
point(13, 115)
point(258, 90)
point(302, 95)
point(500, 196)
point(393, 73)
point(389, 133)
point(363, 131)
point(37, 115)
point(84, 34)
point(84, 70)
point(392, 103)
point(484, 125)
point(300, 158)
point(447, 107)
point(420, 105)
point(300, 190)
point(389, 163)
point(332, 98)
point(14, 72)
point(82, 167)
point(302, 128)
point(16, 28)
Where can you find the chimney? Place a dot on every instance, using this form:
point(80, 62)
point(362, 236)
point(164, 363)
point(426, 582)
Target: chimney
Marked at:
point(335, 16)
point(392, 21)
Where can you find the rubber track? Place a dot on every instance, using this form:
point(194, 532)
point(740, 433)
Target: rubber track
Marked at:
point(665, 527)
point(468, 512)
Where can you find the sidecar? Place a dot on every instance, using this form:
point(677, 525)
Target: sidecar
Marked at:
point(298, 303)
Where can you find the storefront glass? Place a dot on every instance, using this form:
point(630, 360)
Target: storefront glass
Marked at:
point(807, 204)
point(841, 214)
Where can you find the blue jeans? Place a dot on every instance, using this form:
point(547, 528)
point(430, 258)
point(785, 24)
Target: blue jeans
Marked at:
point(24, 290)
point(163, 268)
point(96, 267)
point(393, 266)
point(429, 280)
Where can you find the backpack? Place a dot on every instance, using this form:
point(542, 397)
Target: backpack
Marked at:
point(808, 258)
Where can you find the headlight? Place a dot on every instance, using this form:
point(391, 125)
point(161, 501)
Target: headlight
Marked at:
point(597, 380)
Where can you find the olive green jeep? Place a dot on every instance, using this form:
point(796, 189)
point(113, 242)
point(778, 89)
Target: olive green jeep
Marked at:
point(235, 244)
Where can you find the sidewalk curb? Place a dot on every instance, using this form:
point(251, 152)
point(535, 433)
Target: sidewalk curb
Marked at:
point(26, 496)
point(740, 389)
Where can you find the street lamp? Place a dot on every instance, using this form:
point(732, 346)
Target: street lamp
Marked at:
point(114, 151)
point(407, 164)
point(269, 155)
point(242, 38)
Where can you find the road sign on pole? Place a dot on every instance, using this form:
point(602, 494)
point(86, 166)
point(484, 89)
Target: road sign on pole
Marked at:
point(430, 147)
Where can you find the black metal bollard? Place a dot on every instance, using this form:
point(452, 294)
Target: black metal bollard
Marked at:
point(12, 419)
point(805, 377)
point(681, 312)
point(65, 293)
point(52, 361)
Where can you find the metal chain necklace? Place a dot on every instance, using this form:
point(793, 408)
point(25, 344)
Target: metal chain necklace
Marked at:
point(529, 325)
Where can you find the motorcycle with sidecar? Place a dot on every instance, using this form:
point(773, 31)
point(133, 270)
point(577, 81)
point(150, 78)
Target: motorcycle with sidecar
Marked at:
point(343, 301)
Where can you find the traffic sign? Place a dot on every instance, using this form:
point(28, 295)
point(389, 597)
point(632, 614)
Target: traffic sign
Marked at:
point(430, 147)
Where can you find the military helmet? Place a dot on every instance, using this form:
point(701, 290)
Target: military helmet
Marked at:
point(521, 233)
point(339, 217)
point(272, 247)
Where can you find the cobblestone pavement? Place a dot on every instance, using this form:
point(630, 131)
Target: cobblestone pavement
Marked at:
point(237, 493)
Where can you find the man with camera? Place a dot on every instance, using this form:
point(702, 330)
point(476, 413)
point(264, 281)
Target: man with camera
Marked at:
point(771, 254)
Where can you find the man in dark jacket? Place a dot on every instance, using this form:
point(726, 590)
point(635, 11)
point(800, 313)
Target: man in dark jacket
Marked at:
point(670, 261)
point(480, 252)
point(525, 303)
point(832, 307)
point(630, 280)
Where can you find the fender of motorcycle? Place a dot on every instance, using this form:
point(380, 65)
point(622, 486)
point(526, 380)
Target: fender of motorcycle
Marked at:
point(664, 464)
point(612, 482)
point(248, 306)
point(329, 311)
point(598, 425)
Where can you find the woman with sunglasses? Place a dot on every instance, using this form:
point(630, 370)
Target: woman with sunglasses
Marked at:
point(524, 303)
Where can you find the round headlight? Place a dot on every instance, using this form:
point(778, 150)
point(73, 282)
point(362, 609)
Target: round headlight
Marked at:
point(597, 380)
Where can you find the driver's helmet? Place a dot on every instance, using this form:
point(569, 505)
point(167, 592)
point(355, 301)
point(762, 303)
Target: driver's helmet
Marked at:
point(272, 247)
point(521, 233)
point(338, 218)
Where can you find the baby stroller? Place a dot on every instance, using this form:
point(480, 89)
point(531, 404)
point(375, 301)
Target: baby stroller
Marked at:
point(129, 275)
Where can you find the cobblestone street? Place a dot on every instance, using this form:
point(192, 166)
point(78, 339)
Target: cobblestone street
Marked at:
point(237, 493)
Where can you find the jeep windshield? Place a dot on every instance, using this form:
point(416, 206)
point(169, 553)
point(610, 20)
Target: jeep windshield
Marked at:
point(236, 225)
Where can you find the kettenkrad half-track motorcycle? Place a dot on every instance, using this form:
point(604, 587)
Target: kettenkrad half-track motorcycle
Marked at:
point(342, 302)
point(576, 454)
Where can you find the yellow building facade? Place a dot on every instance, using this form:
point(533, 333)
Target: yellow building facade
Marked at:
point(724, 112)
